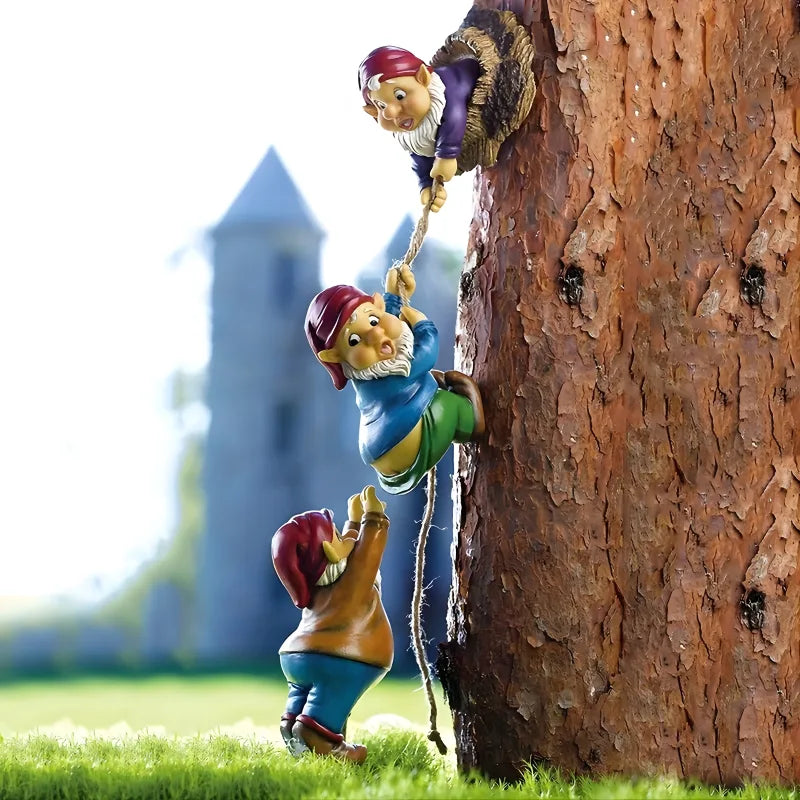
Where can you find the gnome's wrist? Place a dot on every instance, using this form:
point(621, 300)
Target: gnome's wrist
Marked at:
point(374, 516)
point(393, 303)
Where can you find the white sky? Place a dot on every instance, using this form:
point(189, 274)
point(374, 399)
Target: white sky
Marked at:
point(127, 130)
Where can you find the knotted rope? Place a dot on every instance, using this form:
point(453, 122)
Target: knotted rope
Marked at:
point(418, 645)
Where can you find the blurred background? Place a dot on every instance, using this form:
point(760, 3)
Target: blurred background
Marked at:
point(178, 181)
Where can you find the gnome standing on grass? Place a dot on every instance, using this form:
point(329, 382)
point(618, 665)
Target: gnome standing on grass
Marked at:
point(343, 644)
point(410, 413)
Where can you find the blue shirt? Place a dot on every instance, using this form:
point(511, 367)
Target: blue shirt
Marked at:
point(390, 407)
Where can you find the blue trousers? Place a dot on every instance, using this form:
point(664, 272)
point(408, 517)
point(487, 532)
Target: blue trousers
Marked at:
point(326, 687)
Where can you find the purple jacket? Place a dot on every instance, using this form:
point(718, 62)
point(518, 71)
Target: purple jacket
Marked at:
point(459, 80)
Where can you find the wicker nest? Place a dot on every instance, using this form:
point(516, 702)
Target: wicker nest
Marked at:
point(504, 93)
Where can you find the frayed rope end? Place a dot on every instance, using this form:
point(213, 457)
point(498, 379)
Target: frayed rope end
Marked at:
point(435, 737)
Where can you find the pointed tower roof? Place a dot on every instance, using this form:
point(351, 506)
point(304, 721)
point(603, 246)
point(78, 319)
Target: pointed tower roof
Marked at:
point(269, 197)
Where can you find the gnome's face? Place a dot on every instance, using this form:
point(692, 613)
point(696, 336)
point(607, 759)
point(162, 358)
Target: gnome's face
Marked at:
point(402, 103)
point(369, 336)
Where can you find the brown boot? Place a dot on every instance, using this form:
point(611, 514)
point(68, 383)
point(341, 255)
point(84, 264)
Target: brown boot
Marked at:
point(439, 376)
point(462, 384)
point(356, 753)
point(323, 746)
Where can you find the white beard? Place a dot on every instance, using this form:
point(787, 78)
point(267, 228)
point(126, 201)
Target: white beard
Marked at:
point(422, 140)
point(399, 365)
point(332, 572)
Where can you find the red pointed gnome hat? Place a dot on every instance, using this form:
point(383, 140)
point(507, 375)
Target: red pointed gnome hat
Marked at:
point(388, 62)
point(298, 555)
point(326, 316)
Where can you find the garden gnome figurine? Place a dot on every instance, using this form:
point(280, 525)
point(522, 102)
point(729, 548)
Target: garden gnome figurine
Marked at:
point(425, 110)
point(343, 644)
point(410, 413)
point(453, 113)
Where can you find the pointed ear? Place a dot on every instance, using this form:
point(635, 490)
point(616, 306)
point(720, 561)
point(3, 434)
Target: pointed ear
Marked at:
point(423, 76)
point(377, 299)
point(330, 553)
point(371, 110)
point(329, 356)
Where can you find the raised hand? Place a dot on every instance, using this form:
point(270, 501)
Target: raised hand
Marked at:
point(355, 508)
point(371, 502)
point(401, 277)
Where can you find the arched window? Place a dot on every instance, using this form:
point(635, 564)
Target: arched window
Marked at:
point(284, 279)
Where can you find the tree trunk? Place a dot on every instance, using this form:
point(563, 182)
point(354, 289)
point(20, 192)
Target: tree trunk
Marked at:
point(626, 596)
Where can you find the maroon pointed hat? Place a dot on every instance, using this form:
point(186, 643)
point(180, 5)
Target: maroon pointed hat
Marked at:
point(297, 553)
point(388, 62)
point(326, 316)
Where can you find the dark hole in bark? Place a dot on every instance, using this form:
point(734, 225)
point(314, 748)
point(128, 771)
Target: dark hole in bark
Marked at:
point(447, 673)
point(752, 607)
point(571, 285)
point(753, 285)
point(467, 285)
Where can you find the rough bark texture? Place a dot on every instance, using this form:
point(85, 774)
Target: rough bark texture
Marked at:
point(626, 595)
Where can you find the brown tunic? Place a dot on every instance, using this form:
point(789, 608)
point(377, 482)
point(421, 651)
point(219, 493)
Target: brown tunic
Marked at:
point(347, 618)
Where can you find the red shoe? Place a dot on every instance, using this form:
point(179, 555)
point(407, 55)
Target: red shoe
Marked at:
point(324, 746)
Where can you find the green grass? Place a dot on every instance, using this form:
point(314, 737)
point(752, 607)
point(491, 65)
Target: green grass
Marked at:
point(91, 755)
point(400, 765)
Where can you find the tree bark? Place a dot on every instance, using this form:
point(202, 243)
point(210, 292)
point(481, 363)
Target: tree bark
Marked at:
point(626, 596)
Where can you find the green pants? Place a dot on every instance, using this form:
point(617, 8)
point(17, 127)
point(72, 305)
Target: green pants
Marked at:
point(448, 418)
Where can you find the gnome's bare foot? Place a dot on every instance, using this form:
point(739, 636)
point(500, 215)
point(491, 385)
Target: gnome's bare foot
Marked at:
point(323, 746)
point(462, 384)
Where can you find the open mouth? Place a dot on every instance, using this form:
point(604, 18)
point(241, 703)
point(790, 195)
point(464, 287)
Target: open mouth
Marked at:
point(407, 124)
point(386, 349)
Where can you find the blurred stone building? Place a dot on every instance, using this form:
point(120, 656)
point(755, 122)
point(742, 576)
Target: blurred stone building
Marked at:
point(281, 440)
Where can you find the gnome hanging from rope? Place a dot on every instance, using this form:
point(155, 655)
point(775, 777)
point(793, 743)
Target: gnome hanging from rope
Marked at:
point(410, 413)
point(453, 114)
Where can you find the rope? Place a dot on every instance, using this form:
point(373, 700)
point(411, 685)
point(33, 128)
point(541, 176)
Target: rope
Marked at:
point(416, 613)
point(417, 238)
